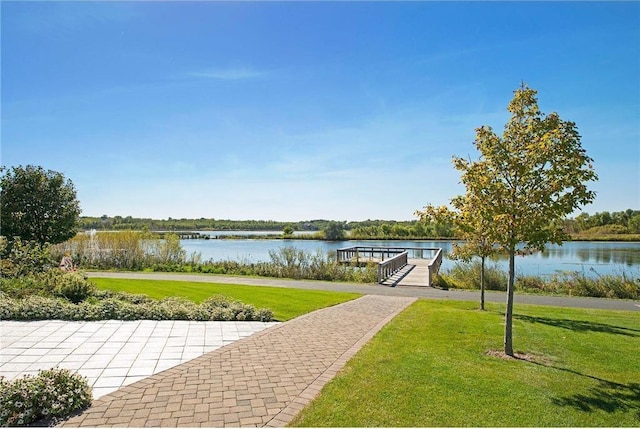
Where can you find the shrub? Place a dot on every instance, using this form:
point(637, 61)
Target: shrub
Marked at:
point(20, 287)
point(20, 258)
point(122, 306)
point(53, 282)
point(52, 394)
point(74, 287)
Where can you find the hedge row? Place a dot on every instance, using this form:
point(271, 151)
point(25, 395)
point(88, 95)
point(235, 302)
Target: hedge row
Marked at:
point(216, 308)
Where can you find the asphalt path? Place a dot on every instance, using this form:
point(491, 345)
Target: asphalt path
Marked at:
point(375, 289)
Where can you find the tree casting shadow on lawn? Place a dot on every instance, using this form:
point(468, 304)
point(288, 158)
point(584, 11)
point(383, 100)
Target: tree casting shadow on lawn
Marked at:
point(607, 396)
point(581, 325)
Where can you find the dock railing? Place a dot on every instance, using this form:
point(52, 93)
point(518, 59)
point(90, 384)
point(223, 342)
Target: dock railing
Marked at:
point(434, 266)
point(363, 254)
point(392, 265)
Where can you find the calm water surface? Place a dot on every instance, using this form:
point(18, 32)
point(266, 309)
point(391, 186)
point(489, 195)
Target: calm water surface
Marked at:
point(590, 258)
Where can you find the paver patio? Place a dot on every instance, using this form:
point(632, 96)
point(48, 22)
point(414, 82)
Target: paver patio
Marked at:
point(112, 353)
point(262, 380)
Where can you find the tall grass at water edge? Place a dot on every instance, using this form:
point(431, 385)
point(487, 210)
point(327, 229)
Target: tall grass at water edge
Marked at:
point(467, 276)
point(126, 250)
point(137, 251)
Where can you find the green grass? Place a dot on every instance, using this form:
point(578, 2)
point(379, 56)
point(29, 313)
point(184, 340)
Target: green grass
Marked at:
point(284, 302)
point(429, 367)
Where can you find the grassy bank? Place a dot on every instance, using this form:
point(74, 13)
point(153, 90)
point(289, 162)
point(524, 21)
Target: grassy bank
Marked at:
point(285, 303)
point(429, 367)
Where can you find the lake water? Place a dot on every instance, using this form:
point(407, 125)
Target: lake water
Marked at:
point(590, 258)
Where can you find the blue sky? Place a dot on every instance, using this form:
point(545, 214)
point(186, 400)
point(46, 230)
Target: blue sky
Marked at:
point(305, 110)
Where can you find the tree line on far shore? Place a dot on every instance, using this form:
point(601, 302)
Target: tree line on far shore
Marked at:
point(584, 225)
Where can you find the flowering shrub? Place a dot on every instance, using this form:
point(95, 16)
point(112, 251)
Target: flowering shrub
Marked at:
point(121, 306)
point(52, 394)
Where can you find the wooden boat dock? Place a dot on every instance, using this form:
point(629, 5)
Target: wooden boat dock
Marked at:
point(395, 267)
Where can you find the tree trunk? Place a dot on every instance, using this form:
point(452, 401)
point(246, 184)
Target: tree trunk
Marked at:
point(508, 320)
point(482, 259)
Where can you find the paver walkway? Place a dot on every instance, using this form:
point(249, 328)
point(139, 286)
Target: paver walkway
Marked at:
point(262, 380)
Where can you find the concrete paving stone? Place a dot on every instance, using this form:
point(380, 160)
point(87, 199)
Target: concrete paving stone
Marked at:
point(35, 351)
point(132, 379)
point(122, 360)
point(26, 358)
point(74, 356)
point(13, 367)
point(170, 355)
point(37, 366)
point(145, 368)
point(51, 358)
point(112, 372)
point(91, 373)
point(88, 348)
point(103, 381)
point(166, 364)
point(72, 366)
point(97, 362)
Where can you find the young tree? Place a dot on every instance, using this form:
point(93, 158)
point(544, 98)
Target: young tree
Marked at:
point(527, 181)
point(474, 221)
point(37, 205)
point(469, 223)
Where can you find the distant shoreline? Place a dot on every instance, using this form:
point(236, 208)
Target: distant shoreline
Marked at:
point(311, 235)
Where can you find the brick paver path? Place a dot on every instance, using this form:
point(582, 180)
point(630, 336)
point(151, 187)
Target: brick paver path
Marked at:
point(263, 380)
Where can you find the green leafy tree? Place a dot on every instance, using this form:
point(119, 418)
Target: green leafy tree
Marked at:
point(526, 182)
point(38, 205)
point(334, 231)
point(634, 224)
point(287, 231)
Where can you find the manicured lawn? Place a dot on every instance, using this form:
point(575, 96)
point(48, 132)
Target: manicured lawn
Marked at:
point(284, 302)
point(429, 367)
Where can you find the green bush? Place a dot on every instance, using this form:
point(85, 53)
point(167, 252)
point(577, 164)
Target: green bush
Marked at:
point(20, 258)
point(121, 306)
point(20, 287)
point(53, 282)
point(74, 287)
point(52, 394)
